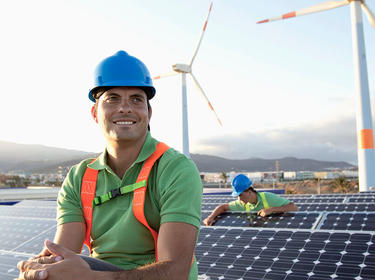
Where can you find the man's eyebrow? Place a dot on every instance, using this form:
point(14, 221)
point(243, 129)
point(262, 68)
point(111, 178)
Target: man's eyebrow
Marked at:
point(110, 93)
point(138, 94)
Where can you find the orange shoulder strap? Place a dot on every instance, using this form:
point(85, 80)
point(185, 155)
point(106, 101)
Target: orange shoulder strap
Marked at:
point(89, 187)
point(87, 197)
point(139, 194)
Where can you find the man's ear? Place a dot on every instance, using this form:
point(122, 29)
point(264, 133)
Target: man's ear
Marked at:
point(93, 113)
point(149, 113)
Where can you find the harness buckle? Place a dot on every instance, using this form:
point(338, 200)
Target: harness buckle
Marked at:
point(115, 193)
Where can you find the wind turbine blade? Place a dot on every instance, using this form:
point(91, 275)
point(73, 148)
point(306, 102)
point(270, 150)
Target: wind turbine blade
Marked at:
point(309, 10)
point(370, 15)
point(173, 73)
point(205, 97)
point(201, 37)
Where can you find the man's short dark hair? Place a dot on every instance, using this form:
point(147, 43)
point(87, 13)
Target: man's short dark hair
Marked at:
point(252, 189)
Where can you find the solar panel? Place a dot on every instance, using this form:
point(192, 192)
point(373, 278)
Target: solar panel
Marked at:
point(239, 253)
point(36, 212)
point(22, 238)
point(316, 200)
point(361, 199)
point(335, 207)
point(15, 232)
point(349, 221)
point(296, 196)
point(218, 200)
point(221, 199)
point(8, 265)
point(36, 203)
point(318, 207)
point(283, 220)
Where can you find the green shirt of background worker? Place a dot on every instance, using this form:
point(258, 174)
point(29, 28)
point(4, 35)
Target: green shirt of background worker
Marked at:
point(173, 197)
point(249, 199)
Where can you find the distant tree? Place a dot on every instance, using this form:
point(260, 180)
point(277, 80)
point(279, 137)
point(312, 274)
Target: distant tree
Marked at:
point(342, 185)
point(224, 176)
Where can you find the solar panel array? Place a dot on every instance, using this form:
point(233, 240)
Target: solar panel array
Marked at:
point(240, 253)
point(331, 237)
point(24, 227)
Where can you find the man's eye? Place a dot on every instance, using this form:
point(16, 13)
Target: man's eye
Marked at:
point(111, 98)
point(137, 99)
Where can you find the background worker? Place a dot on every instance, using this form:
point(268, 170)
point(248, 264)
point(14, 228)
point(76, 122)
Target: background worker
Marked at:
point(171, 194)
point(264, 203)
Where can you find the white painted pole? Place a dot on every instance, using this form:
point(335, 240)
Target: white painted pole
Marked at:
point(185, 126)
point(365, 138)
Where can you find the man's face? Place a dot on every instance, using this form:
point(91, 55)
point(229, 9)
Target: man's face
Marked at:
point(248, 196)
point(122, 114)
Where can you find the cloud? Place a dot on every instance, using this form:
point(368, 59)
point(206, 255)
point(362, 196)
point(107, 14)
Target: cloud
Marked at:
point(333, 140)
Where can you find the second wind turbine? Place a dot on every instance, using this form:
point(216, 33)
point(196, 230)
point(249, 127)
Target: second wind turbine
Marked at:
point(184, 69)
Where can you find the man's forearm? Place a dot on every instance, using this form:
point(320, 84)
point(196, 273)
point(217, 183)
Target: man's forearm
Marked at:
point(71, 236)
point(218, 210)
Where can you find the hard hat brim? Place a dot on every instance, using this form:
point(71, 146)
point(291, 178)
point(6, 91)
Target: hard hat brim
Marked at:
point(234, 193)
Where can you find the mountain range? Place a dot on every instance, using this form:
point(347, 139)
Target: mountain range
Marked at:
point(42, 159)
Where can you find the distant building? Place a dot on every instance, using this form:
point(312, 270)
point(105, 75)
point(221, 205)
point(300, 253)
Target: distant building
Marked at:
point(290, 175)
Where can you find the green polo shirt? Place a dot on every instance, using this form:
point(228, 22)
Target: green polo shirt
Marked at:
point(174, 194)
point(272, 199)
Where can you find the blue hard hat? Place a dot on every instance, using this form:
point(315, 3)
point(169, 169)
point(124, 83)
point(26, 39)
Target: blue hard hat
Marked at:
point(240, 183)
point(119, 70)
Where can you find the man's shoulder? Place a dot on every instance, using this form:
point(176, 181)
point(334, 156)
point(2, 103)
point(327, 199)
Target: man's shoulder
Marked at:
point(274, 196)
point(80, 167)
point(236, 205)
point(172, 156)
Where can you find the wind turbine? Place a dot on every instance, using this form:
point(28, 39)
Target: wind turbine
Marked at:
point(365, 136)
point(184, 69)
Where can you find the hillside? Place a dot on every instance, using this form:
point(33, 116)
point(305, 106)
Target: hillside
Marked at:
point(22, 157)
point(208, 163)
point(38, 158)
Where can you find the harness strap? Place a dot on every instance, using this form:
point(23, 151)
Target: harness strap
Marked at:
point(117, 192)
point(139, 194)
point(89, 200)
point(264, 199)
point(247, 207)
point(87, 197)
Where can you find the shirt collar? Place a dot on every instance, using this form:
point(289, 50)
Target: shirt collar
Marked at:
point(149, 146)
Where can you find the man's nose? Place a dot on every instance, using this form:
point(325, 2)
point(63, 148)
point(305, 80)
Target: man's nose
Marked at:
point(125, 106)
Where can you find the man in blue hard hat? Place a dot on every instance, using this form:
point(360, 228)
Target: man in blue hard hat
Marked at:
point(137, 206)
point(264, 203)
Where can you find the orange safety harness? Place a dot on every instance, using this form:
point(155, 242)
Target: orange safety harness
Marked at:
point(88, 195)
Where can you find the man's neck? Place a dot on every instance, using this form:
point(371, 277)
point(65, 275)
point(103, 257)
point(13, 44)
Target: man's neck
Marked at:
point(120, 155)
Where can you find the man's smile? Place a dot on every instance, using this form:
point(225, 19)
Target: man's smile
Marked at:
point(123, 122)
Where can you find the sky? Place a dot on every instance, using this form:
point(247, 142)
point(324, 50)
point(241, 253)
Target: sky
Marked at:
point(281, 89)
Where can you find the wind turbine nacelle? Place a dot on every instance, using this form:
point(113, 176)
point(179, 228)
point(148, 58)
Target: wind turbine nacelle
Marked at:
point(181, 68)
